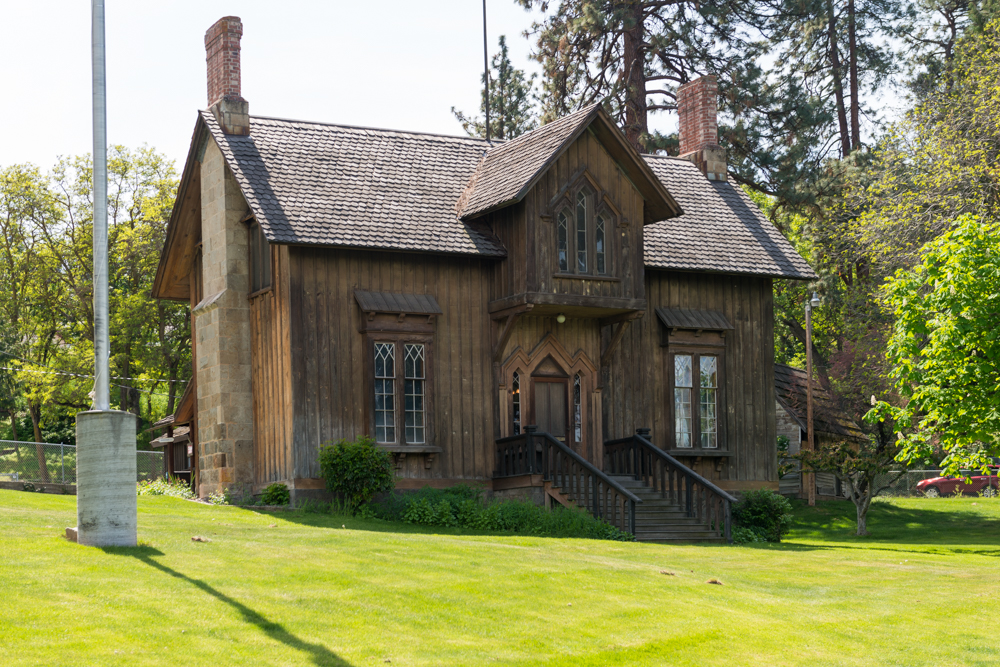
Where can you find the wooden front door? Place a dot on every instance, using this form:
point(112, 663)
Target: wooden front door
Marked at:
point(550, 409)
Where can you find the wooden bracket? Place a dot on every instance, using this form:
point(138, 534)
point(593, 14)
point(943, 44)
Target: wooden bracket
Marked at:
point(428, 460)
point(400, 459)
point(505, 333)
point(616, 337)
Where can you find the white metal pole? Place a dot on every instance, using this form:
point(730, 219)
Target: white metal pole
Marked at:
point(102, 395)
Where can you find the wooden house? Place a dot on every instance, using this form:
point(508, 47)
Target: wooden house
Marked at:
point(830, 425)
point(441, 294)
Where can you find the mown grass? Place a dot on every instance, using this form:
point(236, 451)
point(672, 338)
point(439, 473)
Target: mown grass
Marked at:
point(305, 589)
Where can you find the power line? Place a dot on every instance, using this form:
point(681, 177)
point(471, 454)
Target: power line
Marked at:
point(79, 375)
point(113, 377)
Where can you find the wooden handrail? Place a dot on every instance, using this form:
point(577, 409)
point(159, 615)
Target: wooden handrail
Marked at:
point(636, 455)
point(534, 453)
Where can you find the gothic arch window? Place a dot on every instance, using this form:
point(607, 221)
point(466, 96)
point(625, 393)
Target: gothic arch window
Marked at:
point(584, 236)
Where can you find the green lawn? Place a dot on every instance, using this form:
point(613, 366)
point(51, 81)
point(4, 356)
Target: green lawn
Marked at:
point(303, 589)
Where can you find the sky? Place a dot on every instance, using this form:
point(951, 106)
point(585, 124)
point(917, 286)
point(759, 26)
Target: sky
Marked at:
point(396, 64)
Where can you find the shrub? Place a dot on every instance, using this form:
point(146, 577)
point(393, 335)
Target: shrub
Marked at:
point(177, 488)
point(275, 494)
point(763, 512)
point(356, 471)
point(463, 506)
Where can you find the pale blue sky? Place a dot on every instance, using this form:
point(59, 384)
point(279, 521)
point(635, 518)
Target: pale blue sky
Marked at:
point(391, 63)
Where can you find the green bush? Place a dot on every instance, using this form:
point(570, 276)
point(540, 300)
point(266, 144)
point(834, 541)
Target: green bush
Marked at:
point(177, 488)
point(356, 471)
point(463, 506)
point(763, 512)
point(275, 494)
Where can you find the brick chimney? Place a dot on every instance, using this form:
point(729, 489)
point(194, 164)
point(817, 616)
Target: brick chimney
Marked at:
point(222, 51)
point(697, 106)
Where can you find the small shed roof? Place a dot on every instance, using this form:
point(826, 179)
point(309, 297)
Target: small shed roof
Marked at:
point(181, 434)
point(790, 390)
point(392, 302)
point(689, 318)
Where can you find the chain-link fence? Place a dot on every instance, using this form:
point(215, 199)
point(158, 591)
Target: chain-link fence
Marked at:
point(41, 462)
point(907, 484)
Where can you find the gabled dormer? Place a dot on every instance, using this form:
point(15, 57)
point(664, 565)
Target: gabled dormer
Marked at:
point(569, 202)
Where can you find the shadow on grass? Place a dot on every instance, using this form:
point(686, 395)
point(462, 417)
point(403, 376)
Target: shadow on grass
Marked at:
point(958, 529)
point(320, 654)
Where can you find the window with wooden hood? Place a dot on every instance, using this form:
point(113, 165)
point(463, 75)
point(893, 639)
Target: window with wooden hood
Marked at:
point(695, 367)
point(399, 332)
point(260, 259)
point(583, 235)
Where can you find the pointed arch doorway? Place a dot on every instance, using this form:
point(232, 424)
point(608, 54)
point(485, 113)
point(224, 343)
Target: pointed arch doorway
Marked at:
point(555, 391)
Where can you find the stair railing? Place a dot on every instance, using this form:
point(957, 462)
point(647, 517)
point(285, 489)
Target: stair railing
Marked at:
point(697, 496)
point(537, 453)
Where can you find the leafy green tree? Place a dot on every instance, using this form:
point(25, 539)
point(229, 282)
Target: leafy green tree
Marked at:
point(945, 346)
point(512, 101)
point(866, 468)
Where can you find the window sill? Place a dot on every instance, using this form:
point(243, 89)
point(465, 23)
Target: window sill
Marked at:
point(585, 276)
point(409, 449)
point(691, 451)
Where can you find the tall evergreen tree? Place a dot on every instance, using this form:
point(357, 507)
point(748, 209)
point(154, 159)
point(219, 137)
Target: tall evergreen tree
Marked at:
point(512, 100)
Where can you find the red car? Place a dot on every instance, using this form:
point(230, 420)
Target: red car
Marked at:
point(985, 485)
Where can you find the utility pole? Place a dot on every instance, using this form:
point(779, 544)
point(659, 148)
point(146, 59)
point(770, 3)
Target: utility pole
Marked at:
point(809, 478)
point(106, 476)
point(486, 73)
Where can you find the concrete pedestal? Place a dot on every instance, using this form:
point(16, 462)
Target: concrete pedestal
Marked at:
point(105, 479)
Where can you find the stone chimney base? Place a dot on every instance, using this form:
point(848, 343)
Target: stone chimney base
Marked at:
point(233, 115)
point(711, 160)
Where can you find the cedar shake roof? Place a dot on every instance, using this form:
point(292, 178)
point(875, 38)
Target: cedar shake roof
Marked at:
point(721, 230)
point(333, 185)
point(828, 418)
point(508, 171)
point(318, 184)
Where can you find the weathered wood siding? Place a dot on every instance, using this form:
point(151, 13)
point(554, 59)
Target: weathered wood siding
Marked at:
point(328, 355)
point(528, 231)
point(270, 329)
point(635, 380)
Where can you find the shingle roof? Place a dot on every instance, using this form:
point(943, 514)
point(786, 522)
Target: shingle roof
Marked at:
point(689, 318)
point(720, 230)
point(312, 183)
point(391, 302)
point(509, 169)
point(828, 417)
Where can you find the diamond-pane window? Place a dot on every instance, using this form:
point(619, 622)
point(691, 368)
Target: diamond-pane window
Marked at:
point(581, 232)
point(682, 399)
point(385, 392)
point(577, 412)
point(599, 254)
point(516, 401)
point(563, 232)
point(413, 393)
point(709, 389)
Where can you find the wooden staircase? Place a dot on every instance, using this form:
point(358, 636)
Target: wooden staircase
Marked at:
point(658, 519)
point(641, 490)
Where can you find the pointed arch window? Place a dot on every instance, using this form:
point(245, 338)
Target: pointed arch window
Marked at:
point(577, 409)
point(516, 402)
point(583, 235)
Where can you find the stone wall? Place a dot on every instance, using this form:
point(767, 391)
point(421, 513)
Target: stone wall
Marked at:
point(222, 325)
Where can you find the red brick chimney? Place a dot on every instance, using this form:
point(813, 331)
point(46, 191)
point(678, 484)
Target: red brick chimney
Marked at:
point(697, 106)
point(222, 51)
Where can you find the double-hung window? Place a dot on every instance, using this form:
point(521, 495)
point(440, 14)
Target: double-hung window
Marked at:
point(695, 380)
point(400, 390)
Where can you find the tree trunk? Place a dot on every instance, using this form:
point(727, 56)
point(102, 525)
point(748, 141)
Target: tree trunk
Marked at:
point(635, 75)
point(838, 83)
point(862, 520)
point(13, 429)
point(36, 417)
point(853, 65)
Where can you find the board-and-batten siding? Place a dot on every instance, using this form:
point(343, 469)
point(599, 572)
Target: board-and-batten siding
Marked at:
point(530, 240)
point(328, 355)
point(271, 373)
point(634, 397)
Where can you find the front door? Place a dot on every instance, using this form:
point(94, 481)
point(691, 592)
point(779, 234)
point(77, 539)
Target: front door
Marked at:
point(550, 406)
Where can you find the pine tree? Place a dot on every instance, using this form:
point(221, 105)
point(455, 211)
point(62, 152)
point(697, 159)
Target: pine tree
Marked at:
point(512, 100)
